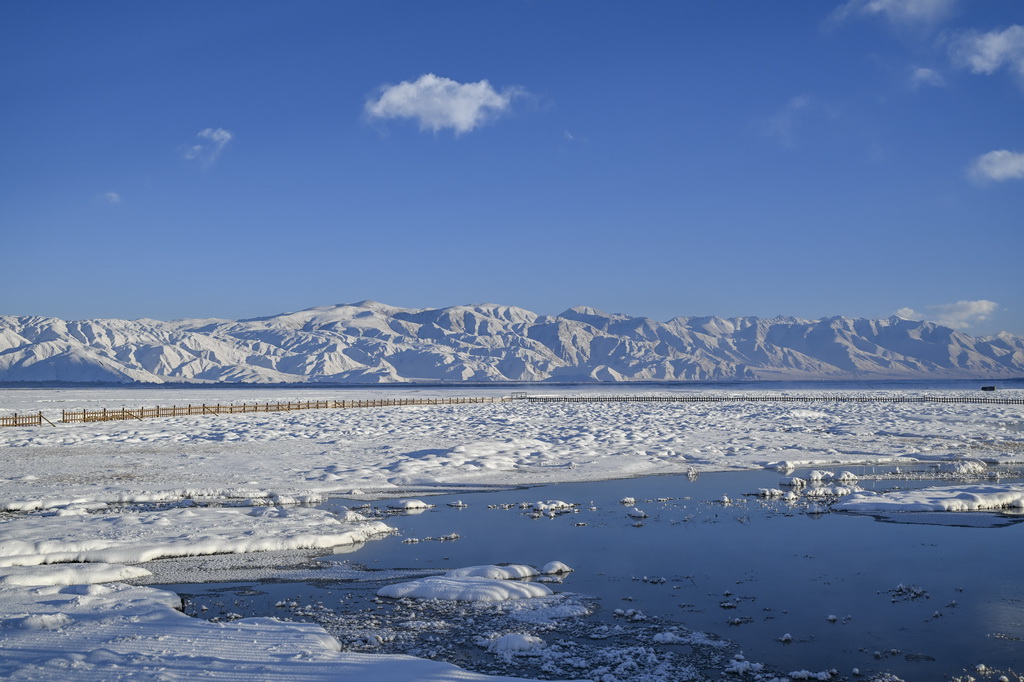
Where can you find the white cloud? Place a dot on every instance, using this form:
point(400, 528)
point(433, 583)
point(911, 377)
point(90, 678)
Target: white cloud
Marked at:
point(112, 198)
point(998, 166)
point(439, 103)
point(923, 76)
point(986, 53)
point(208, 151)
point(959, 315)
point(897, 11)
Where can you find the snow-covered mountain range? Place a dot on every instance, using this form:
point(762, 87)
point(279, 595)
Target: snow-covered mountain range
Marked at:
point(371, 342)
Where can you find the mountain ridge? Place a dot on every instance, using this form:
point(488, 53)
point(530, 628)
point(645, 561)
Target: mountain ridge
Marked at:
point(372, 342)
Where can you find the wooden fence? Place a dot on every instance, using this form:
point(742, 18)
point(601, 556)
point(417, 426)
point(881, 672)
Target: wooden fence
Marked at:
point(124, 413)
point(21, 419)
point(105, 415)
point(770, 399)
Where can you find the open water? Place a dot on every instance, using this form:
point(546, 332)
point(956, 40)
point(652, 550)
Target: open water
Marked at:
point(923, 596)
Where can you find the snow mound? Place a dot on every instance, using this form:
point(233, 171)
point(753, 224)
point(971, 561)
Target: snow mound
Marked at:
point(409, 504)
point(516, 643)
point(510, 572)
point(464, 589)
point(555, 568)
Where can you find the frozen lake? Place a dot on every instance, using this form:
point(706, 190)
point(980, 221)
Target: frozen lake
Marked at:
point(922, 596)
point(920, 583)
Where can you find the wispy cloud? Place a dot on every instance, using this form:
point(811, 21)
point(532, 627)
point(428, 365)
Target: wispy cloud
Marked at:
point(784, 124)
point(986, 53)
point(212, 143)
point(959, 315)
point(924, 77)
point(112, 198)
point(438, 103)
point(997, 166)
point(896, 11)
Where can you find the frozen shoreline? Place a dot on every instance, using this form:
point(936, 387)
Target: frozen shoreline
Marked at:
point(78, 478)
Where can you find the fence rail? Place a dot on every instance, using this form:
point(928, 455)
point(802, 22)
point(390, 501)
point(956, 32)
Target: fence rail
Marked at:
point(770, 399)
point(124, 413)
point(21, 419)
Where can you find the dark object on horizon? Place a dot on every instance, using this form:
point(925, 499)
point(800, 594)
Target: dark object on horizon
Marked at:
point(988, 388)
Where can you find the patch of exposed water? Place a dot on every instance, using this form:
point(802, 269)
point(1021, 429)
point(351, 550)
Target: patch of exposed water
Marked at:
point(927, 596)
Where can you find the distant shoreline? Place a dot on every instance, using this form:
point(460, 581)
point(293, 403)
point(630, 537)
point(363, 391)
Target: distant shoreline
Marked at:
point(850, 383)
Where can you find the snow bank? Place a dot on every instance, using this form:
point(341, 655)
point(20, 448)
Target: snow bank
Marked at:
point(141, 537)
point(945, 498)
point(68, 574)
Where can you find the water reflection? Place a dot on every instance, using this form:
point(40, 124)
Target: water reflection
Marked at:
point(752, 569)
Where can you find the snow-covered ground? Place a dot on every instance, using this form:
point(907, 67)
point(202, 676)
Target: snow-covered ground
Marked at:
point(120, 494)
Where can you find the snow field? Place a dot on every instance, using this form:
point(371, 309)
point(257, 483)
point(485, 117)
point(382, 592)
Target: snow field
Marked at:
point(84, 505)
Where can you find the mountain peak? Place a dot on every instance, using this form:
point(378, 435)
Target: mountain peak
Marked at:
point(372, 342)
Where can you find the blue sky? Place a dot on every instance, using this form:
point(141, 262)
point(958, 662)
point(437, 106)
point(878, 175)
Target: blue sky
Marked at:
point(238, 159)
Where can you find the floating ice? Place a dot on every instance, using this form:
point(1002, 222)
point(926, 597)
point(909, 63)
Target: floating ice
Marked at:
point(553, 505)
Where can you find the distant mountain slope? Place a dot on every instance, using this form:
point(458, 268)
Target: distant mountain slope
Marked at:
point(370, 342)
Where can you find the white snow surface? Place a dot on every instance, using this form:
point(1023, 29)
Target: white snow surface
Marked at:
point(69, 541)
